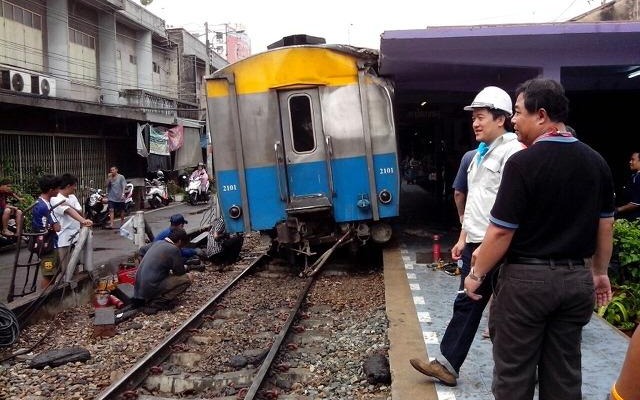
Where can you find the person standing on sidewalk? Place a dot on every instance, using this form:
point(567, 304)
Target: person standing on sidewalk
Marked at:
point(491, 110)
point(115, 194)
point(43, 221)
point(67, 210)
point(556, 243)
point(631, 210)
point(460, 184)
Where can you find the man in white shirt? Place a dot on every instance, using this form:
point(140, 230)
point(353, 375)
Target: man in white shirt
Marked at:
point(68, 211)
point(492, 110)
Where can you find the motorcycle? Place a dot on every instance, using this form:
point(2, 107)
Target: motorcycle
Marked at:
point(194, 194)
point(96, 207)
point(128, 198)
point(156, 193)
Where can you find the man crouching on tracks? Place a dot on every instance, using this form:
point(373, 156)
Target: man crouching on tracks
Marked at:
point(161, 276)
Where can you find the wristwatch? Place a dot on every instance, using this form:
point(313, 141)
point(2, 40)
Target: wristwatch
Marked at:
point(475, 277)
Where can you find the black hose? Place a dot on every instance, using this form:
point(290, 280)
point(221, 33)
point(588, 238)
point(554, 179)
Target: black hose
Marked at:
point(9, 327)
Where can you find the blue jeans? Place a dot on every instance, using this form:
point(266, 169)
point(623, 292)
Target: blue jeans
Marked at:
point(467, 314)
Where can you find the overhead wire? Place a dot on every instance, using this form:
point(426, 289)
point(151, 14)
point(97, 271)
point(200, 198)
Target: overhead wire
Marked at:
point(565, 10)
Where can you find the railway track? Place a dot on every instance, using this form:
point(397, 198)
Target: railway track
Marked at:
point(341, 322)
point(187, 361)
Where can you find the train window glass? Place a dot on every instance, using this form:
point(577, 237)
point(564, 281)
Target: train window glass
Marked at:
point(301, 123)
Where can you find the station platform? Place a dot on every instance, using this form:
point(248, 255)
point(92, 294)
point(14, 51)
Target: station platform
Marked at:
point(110, 248)
point(419, 307)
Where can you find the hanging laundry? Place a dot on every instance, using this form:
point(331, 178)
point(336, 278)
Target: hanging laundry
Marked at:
point(141, 147)
point(158, 141)
point(176, 137)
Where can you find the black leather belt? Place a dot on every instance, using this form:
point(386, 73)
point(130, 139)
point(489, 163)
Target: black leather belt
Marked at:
point(545, 261)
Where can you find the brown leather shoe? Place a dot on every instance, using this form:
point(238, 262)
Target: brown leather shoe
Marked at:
point(435, 370)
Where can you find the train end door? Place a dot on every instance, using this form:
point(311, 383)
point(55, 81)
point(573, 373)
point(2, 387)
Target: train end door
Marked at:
point(304, 168)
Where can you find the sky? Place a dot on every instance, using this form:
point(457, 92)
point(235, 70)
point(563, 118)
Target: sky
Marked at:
point(358, 23)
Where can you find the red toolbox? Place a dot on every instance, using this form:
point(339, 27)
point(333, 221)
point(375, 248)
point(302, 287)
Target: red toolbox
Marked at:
point(127, 274)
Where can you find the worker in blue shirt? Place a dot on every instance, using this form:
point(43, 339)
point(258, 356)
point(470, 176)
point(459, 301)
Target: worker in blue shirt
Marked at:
point(177, 221)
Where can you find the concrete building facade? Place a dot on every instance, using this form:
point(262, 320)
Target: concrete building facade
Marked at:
point(80, 76)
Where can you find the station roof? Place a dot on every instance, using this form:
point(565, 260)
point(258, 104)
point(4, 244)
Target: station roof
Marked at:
point(584, 55)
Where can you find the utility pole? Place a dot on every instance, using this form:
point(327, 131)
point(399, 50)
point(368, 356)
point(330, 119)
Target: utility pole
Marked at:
point(207, 44)
point(226, 41)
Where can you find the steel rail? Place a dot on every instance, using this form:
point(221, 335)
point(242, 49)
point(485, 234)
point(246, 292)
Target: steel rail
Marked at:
point(277, 342)
point(136, 375)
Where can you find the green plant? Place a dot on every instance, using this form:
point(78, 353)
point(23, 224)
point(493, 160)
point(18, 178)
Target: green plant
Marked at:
point(626, 240)
point(173, 188)
point(623, 311)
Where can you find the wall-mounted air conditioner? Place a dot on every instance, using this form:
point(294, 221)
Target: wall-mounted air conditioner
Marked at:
point(43, 85)
point(19, 81)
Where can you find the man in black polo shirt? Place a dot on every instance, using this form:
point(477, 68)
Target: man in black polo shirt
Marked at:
point(557, 242)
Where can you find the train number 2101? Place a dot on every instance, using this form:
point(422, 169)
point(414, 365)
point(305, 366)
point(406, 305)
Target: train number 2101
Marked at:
point(229, 188)
point(386, 171)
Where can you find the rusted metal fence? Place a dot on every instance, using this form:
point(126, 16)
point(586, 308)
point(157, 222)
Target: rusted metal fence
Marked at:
point(86, 157)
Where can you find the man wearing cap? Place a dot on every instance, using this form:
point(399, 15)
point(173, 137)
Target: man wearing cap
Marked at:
point(491, 110)
point(177, 221)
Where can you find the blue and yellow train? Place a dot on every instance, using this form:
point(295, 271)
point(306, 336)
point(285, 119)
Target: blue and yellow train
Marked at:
point(305, 146)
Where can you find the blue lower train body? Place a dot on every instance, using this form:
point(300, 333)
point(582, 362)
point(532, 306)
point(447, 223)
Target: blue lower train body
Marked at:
point(350, 180)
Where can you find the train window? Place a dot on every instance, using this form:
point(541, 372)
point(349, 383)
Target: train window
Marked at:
point(301, 123)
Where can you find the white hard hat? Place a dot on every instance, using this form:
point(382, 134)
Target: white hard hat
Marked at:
point(492, 97)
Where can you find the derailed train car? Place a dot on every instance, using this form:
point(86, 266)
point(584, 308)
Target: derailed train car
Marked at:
point(304, 146)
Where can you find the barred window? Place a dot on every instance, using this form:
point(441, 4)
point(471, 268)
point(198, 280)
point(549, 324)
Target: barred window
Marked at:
point(21, 15)
point(81, 38)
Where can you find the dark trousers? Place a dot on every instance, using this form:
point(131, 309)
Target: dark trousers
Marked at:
point(537, 315)
point(467, 314)
point(170, 288)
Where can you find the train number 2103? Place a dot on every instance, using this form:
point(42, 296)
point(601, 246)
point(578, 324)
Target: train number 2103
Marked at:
point(229, 188)
point(386, 171)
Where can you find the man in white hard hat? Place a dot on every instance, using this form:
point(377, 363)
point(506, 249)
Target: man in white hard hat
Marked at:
point(491, 110)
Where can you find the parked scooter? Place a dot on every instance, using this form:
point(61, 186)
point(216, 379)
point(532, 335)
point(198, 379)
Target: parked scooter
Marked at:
point(128, 198)
point(156, 191)
point(195, 194)
point(96, 207)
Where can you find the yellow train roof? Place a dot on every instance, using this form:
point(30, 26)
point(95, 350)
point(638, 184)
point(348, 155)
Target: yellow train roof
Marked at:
point(290, 67)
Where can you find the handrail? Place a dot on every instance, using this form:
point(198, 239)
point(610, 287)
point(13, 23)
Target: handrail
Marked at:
point(327, 140)
point(279, 161)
